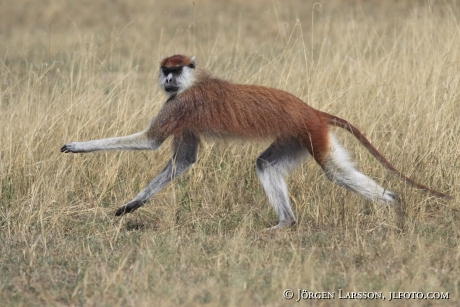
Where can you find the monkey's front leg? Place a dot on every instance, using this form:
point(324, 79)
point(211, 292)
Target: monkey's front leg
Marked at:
point(137, 141)
point(184, 156)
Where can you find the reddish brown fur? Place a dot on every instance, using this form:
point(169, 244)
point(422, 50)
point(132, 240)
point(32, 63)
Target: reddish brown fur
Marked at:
point(339, 122)
point(213, 107)
point(175, 60)
point(218, 108)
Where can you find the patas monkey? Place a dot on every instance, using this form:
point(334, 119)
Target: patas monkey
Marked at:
point(200, 105)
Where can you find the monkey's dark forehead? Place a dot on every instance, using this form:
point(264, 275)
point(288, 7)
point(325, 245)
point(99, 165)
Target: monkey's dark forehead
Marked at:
point(175, 60)
point(175, 69)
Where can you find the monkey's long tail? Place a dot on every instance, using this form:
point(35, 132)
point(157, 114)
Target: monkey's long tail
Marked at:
point(339, 122)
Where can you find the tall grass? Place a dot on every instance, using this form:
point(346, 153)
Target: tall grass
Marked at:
point(73, 71)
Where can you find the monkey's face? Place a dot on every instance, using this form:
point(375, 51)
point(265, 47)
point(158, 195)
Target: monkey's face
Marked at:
point(177, 78)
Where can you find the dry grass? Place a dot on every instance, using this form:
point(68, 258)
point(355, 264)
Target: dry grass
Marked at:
point(73, 71)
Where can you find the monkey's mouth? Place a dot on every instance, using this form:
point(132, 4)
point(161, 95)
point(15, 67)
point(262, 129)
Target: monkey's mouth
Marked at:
point(171, 89)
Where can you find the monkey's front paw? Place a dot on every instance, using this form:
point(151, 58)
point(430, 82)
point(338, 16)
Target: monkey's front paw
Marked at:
point(129, 207)
point(70, 147)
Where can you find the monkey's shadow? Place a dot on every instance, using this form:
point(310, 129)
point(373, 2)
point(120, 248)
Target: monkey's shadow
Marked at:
point(136, 222)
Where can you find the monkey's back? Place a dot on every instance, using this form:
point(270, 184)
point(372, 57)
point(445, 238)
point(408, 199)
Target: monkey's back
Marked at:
point(217, 108)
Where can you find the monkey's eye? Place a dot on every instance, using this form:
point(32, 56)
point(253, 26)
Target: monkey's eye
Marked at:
point(175, 70)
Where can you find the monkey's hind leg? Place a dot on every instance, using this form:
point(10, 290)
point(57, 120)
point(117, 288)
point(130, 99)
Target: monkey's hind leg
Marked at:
point(272, 166)
point(340, 170)
point(184, 156)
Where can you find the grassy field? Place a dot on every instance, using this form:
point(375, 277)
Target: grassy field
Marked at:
point(80, 70)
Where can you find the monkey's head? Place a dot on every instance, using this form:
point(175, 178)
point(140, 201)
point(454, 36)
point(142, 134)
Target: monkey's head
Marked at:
point(177, 73)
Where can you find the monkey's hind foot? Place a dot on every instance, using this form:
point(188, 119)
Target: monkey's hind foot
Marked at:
point(283, 224)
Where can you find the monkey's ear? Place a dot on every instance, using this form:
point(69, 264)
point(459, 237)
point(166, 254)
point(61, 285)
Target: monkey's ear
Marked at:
point(192, 62)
